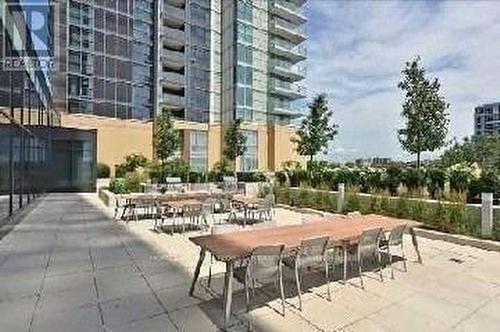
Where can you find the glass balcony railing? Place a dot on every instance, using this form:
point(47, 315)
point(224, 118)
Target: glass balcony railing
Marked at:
point(290, 6)
point(290, 47)
point(292, 27)
point(289, 89)
point(287, 67)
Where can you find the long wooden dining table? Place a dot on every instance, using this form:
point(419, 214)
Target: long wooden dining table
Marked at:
point(232, 247)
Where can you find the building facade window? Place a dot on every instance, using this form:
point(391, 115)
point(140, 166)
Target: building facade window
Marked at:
point(250, 159)
point(244, 10)
point(198, 150)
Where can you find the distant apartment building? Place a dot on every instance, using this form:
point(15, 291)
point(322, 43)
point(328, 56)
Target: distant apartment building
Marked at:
point(487, 119)
point(207, 62)
point(373, 162)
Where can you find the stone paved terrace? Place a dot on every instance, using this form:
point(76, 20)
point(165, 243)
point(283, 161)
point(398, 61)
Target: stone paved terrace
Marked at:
point(69, 267)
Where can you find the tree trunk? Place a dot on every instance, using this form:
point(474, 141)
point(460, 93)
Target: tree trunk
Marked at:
point(418, 161)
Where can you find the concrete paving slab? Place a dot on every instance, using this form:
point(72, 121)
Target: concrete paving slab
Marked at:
point(120, 311)
point(69, 266)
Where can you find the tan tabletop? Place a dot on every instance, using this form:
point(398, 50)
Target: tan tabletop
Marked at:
point(230, 246)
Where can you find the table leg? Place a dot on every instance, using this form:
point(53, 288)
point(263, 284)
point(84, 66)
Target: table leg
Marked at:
point(228, 286)
point(415, 243)
point(197, 270)
point(345, 263)
point(245, 218)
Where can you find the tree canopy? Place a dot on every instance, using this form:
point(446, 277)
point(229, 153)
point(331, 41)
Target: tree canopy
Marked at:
point(235, 141)
point(425, 112)
point(316, 129)
point(167, 139)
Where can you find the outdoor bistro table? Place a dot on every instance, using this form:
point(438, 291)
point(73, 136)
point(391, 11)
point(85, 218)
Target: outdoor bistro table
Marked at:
point(247, 203)
point(231, 247)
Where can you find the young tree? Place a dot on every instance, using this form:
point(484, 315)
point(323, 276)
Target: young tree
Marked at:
point(315, 131)
point(235, 142)
point(167, 139)
point(425, 112)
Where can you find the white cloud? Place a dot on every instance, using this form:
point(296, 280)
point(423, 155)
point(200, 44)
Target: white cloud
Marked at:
point(357, 50)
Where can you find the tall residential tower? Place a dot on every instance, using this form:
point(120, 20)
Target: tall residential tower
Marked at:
point(207, 62)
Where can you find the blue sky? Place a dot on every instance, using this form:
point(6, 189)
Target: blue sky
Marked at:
point(356, 50)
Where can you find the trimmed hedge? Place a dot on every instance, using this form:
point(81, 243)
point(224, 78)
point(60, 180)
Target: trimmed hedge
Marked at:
point(447, 217)
point(103, 171)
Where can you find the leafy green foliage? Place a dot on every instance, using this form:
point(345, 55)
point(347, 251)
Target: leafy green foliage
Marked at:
point(424, 112)
point(132, 163)
point(167, 139)
point(118, 186)
point(235, 141)
point(316, 129)
point(103, 171)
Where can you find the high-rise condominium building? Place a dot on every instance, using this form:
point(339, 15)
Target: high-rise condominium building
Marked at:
point(207, 62)
point(105, 58)
point(487, 119)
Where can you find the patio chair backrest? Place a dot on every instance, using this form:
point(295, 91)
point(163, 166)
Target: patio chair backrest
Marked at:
point(173, 183)
point(192, 210)
point(269, 201)
point(265, 262)
point(312, 250)
point(369, 240)
point(396, 235)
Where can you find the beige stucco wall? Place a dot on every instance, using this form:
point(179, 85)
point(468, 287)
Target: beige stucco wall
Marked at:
point(116, 138)
point(214, 144)
point(281, 148)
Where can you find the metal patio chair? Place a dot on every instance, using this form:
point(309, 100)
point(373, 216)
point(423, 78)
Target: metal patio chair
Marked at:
point(219, 229)
point(368, 246)
point(264, 209)
point(311, 254)
point(263, 266)
point(395, 239)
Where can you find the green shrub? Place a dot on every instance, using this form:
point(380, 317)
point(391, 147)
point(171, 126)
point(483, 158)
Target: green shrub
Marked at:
point(132, 163)
point(402, 208)
point(135, 180)
point(304, 198)
point(177, 168)
point(283, 195)
point(197, 177)
point(154, 170)
point(371, 181)
point(353, 202)
point(119, 186)
point(103, 171)
point(436, 179)
point(413, 179)
point(489, 182)
point(392, 179)
point(251, 177)
point(281, 177)
point(298, 177)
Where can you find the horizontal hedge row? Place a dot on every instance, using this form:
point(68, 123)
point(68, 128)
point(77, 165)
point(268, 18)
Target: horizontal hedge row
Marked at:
point(455, 218)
